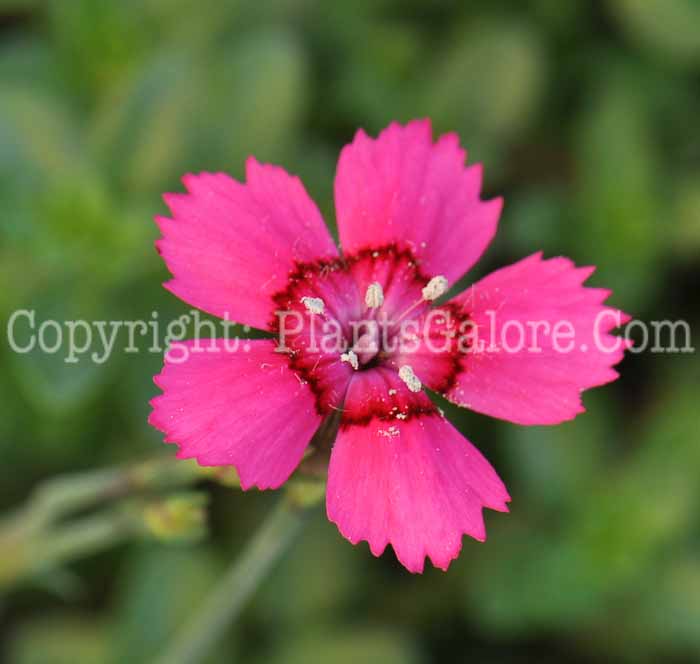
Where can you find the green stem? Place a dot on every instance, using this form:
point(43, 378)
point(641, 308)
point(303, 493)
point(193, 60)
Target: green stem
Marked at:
point(49, 528)
point(24, 557)
point(62, 496)
point(225, 603)
point(83, 537)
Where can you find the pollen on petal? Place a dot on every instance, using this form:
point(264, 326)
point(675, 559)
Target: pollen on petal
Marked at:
point(407, 376)
point(351, 358)
point(314, 305)
point(374, 297)
point(436, 287)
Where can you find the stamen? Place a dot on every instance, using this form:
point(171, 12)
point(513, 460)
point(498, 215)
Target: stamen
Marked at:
point(436, 287)
point(314, 305)
point(407, 376)
point(374, 297)
point(351, 358)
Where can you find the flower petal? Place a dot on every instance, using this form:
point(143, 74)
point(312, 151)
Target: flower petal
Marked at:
point(240, 408)
point(231, 246)
point(380, 393)
point(418, 485)
point(403, 189)
point(543, 338)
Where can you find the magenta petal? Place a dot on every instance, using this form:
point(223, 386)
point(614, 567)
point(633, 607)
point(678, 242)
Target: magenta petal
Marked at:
point(231, 246)
point(244, 409)
point(417, 485)
point(539, 381)
point(402, 188)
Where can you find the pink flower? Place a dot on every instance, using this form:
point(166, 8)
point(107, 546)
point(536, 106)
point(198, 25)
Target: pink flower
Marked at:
point(411, 222)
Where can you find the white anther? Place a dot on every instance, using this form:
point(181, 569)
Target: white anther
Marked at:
point(374, 297)
point(314, 305)
point(436, 287)
point(351, 359)
point(407, 376)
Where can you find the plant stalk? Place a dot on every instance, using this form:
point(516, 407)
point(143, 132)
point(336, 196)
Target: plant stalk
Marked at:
point(234, 590)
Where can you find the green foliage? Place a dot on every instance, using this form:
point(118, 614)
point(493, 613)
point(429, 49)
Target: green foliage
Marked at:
point(160, 589)
point(666, 28)
point(69, 639)
point(348, 647)
point(620, 223)
point(504, 61)
point(585, 117)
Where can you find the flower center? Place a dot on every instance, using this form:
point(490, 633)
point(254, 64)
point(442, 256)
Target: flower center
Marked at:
point(344, 320)
point(367, 346)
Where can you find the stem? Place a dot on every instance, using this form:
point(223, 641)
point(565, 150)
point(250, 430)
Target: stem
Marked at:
point(225, 603)
point(62, 496)
point(49, 528)
point(24, 557)
point(83, 537)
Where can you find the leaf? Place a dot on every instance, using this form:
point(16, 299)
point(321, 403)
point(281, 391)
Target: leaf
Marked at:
point(257, 97)
point(488, 85)
point(142, 130)
point(159, 592)
point(668, 28)
point(70, 639)
point(346, 647)
point(618, 227)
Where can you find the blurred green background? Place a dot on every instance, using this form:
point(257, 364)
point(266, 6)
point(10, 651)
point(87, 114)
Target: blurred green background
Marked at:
point(586, 117)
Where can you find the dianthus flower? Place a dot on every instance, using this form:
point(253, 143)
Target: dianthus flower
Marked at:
point(359, 335)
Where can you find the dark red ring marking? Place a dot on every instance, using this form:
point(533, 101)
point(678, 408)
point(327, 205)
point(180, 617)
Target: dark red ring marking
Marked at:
point(412, 412)
point(304, 271)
